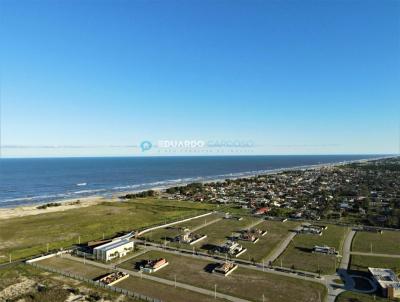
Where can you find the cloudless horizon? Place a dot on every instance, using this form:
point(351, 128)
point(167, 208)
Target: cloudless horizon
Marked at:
point(97, 78)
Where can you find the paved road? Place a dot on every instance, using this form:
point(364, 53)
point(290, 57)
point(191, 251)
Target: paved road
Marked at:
point(161, 280)
point(344, 263)
point(375, 254)
point(334, 289)
point(281, 248)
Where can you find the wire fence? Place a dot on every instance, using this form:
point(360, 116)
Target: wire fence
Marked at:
point(119, 290)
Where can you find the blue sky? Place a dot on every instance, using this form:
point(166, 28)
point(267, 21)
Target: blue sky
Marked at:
point(294, 77)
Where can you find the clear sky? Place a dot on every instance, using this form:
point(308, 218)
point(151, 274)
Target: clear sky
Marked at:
point(294, 77)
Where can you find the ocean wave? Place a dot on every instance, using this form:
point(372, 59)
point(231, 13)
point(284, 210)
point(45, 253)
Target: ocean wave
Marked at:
point(89, 191)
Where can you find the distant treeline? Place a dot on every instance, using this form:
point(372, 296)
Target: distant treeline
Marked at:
point(192, 187)
point(47, 205)
point(148, 193)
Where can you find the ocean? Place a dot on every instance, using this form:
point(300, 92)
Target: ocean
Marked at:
point(37, 180)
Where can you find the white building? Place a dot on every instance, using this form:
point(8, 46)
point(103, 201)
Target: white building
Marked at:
point(387, 281)
point(114, 249)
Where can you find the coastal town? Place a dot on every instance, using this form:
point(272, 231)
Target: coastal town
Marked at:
point(367, 193)
point(311, 235)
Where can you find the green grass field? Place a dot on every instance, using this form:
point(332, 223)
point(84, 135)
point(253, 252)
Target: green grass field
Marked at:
point(73, 267)
point(26, 236)
point(163, 292)
point(243, 283)
point(358, 297)
point(277, 232)
point(361, 263)
point(386, 243)
point(299, 252)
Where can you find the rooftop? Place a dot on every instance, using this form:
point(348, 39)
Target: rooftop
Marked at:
point(112, 245)
point(385, 277)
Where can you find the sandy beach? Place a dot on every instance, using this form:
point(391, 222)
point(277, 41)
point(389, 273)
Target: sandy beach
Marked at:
point(6, 213)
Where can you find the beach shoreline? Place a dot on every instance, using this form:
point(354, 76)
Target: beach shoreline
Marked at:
point(86, 201)
point(66, 204)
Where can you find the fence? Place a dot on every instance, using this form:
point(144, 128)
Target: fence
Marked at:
point(97, 284)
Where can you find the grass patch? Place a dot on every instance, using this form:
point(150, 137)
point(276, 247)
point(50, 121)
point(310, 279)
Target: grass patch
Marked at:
point(298, 254)
point(27, 236)
point(163, 292)
point(74, 267)
point(361, 263)
point(358, 297)
point(386, 243)
point(243, 283)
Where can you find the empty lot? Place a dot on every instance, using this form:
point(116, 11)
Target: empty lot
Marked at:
point(299, 252)
point(73, 267)
point(243, 283)
point(361, 263)
point(386, 243)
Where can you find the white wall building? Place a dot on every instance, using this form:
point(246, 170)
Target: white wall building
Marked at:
point(114, 249)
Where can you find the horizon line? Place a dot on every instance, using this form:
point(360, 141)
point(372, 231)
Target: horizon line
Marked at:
point(202, 155)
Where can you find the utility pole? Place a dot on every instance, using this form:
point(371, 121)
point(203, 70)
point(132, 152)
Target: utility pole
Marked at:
point(175, 280)
point(79, 239)
point(371, 247)
point(47, 247)
point(10, 257)
point(215, 291)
